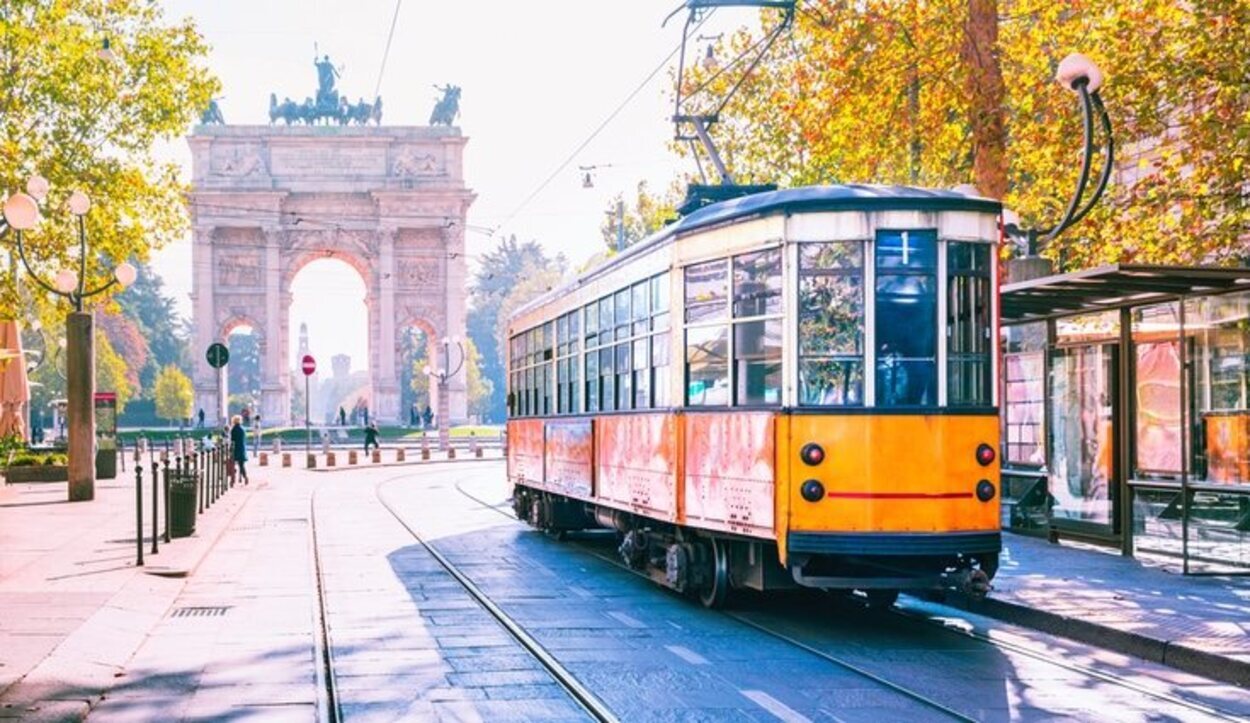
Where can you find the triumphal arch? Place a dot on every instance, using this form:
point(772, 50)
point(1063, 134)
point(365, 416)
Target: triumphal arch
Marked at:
point(390, 201)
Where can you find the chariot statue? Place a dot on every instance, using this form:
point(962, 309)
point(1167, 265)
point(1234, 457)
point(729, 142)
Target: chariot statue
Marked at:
point(328, 106)
point(448, 107)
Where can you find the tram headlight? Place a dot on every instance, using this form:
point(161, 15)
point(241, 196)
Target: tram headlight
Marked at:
point(985, 455)
point(812, 491)
point(812, 454)
point(985, 490)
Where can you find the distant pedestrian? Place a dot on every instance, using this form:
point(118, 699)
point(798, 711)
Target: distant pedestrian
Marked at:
point(371, 436)
point(238, 443)
point(201, 417)
point(428, 416)
point(342, 417)
point(256, 428)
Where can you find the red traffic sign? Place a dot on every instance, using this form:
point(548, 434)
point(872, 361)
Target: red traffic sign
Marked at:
point(308, 364)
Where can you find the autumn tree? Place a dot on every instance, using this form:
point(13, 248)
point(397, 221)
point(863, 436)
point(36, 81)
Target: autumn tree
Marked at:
point(498, 274)
point(89, 120)
point(111, 373)
point(479, 387)
point(173, 393)
point(643, 215)
point(951, 92)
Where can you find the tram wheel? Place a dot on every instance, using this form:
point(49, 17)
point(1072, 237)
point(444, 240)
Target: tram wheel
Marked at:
point(881, 599)
point(716, 593)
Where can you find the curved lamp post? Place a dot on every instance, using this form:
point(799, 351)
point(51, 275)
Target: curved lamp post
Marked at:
point(21, 213)
point(1082, 76)
point(444, 402)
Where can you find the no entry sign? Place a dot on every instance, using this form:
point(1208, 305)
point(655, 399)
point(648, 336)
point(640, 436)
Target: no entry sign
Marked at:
point(308, 364)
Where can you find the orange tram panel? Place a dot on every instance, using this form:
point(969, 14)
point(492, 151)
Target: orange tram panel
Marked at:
point(889, 484)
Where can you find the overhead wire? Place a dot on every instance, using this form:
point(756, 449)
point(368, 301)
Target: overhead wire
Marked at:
point(599, 128)
point(377, 90)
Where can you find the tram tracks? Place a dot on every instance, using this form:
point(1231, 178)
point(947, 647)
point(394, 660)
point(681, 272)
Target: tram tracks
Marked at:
point(917, 619)
point(331, 712)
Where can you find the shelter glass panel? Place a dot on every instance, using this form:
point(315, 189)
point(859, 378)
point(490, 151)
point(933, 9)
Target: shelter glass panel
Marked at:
point(1218, 330)
point(1024, 394)
point(1157, 393)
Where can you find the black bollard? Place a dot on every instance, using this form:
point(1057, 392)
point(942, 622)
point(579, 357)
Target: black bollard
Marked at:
point(199, 482)
point(167, 505)
point(138, 516)
point(156, 533)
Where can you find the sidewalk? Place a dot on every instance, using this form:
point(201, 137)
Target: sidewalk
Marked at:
point(73, 605)
point(1197, 624)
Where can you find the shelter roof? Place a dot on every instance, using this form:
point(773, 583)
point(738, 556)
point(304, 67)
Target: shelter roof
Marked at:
point(1114, 286)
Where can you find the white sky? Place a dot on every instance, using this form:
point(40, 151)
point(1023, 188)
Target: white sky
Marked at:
point(538, 77)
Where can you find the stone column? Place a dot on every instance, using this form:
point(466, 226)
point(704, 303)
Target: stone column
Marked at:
point(386, 385)
point(203, 376)
point(275, 403)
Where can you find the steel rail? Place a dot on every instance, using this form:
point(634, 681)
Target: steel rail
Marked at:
point(580, 693)
point(1112, 678)
point(921, 618)
point(328, 700)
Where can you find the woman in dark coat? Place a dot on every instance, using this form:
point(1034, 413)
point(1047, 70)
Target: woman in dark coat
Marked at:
point(238, 445)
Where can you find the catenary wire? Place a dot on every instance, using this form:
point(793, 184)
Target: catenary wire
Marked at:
point(599, 129)
point(387, 52)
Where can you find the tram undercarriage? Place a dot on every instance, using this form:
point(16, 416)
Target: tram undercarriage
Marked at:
point(710, 565)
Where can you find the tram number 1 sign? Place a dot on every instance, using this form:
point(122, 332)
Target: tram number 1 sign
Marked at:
point(308, 365)
point(218, 355)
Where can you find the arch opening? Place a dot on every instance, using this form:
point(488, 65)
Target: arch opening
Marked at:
point(330, 317)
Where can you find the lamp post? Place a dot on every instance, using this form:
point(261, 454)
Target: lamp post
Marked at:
point(1083, 77)
point(444, 403)
point(21, 213)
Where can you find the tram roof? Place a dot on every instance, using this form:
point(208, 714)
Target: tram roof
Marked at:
point(1114, 286)
point(840, 197)
point(810, 199)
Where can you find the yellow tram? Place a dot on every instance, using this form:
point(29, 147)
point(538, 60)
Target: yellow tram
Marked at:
point(794, 387)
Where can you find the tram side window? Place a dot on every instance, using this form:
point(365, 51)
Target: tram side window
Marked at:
point(906, 318)
point(831, 324)
point(757, 342)
point(968, 325)
point(707, 346)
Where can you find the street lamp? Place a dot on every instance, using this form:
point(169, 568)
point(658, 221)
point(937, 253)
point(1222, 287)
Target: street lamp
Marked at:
point(444, 403)
point(1082, 76)
point(22, 213)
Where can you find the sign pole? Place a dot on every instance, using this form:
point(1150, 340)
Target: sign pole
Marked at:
point(308, 365)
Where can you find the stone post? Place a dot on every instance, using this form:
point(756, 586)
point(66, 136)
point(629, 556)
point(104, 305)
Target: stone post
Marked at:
point(80, 407)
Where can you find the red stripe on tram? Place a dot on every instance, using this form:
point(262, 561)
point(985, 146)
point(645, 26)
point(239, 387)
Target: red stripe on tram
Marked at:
point(900, 495)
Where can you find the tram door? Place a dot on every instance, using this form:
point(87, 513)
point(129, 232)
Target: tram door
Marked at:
point(1083, 399)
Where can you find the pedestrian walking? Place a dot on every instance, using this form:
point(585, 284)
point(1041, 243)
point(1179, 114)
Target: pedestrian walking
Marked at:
point(238, 443)
point(371, 436)
point(342, 417)
point(201, 417)
point(256, 428)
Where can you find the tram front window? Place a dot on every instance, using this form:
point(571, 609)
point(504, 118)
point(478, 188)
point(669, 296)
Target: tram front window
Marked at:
point(906, 318)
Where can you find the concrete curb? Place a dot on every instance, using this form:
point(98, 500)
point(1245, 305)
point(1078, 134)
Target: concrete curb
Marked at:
point(1173, 655)
point(412, 463)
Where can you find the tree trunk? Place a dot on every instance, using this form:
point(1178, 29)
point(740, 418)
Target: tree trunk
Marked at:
point(986, 96)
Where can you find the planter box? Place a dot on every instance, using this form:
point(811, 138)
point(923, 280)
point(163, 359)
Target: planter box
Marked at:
point(36, 473)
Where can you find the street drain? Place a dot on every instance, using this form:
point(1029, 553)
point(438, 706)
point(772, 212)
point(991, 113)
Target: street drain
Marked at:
point(200, 612)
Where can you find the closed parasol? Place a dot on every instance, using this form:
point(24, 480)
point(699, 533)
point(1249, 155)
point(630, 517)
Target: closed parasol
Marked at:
point(14, 389)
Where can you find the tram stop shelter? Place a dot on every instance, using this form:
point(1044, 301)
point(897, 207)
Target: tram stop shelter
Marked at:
point(1126, 411)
